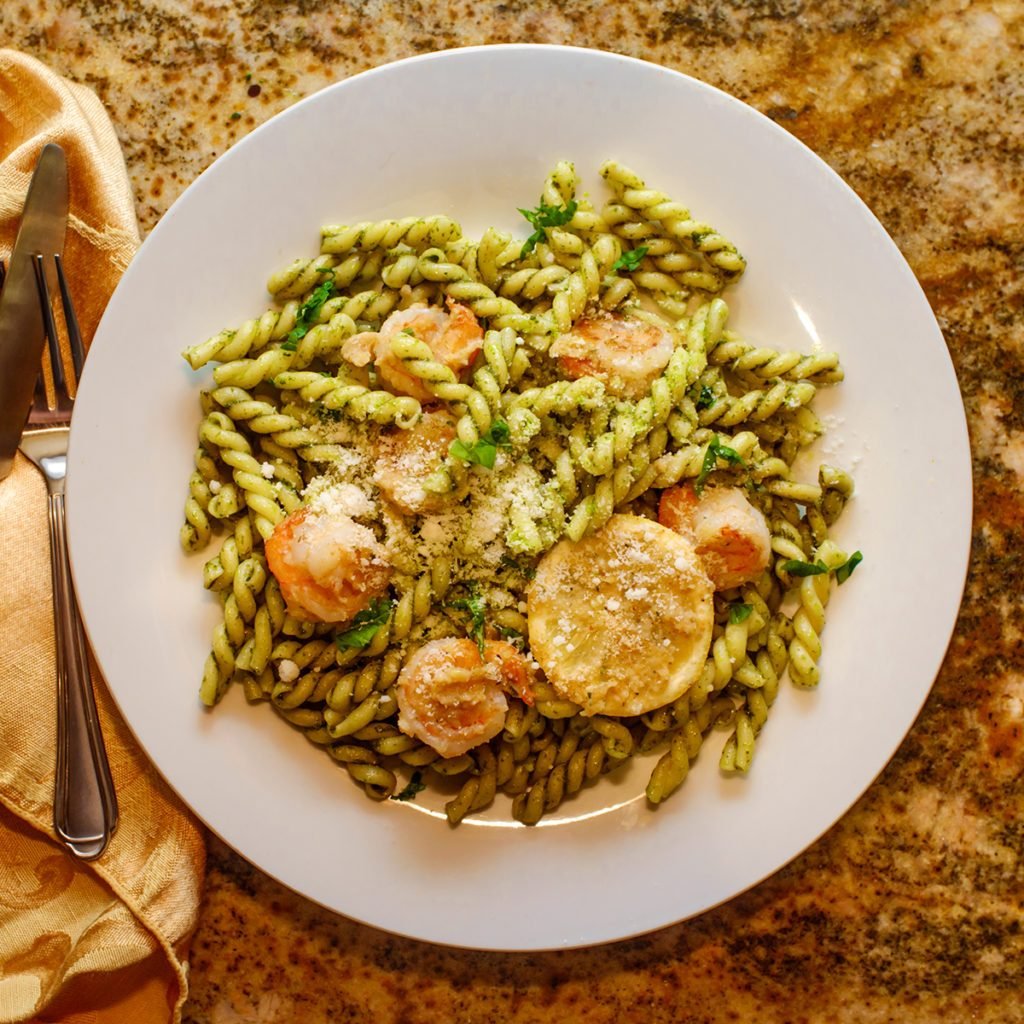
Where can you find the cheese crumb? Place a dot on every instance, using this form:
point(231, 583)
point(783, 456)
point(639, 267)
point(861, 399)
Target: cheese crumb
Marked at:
point(267, 469)
point(215, 486)
point(342, 499)
point(287, 670)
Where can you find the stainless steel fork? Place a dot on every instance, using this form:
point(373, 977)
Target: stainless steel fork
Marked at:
point(85, 804)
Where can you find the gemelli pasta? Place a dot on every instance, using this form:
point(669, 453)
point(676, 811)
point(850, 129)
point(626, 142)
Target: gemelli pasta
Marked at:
point(500, 515)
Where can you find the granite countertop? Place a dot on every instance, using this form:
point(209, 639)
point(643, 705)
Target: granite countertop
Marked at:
point(910, 908)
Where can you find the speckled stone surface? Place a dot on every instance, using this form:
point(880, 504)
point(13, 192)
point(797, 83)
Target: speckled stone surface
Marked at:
point(910, 908)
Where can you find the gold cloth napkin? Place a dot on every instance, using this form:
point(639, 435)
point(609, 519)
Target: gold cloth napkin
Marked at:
point(79, 942)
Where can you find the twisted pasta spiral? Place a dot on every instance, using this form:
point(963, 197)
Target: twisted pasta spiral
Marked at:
point(442, 382)
point(414, 232)
point(766, 363)
point(809, 621)
point(344, 395)
point(724, 259)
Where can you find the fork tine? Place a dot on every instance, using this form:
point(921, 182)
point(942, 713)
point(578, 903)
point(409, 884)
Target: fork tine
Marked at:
point(70, 320)
point(56, 362)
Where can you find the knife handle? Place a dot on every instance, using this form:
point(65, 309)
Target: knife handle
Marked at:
point(85, 804)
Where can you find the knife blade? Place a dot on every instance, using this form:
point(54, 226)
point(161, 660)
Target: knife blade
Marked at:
point(43, 227)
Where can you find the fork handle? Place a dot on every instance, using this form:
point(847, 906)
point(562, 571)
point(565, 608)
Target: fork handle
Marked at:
point(85, 804)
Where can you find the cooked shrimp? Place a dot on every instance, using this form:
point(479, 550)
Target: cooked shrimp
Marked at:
point(454, 337)
point(626, 354)
point(327, 565)
point(453, 699)
point(405, 458)
point(730, 535)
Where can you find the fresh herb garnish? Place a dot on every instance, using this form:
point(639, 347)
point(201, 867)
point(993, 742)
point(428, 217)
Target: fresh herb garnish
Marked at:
point(484, 451)
point(326, 415)
point(543, 217)
point(705, 399)
point(844, 571)
point(508, 562)
point(476, 605)
point(309, 311)
point(740, 612)
point(797, 568)
point(629, 261)
point(365, 625)
point(416, 785)
point(716, 450)
point(513, 636)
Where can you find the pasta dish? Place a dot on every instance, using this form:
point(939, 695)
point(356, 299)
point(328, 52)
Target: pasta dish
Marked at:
point(499, 515)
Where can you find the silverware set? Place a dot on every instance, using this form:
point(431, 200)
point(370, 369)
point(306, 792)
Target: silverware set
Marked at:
point(85, 804)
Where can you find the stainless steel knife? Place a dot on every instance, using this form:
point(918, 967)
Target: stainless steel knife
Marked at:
point(43, 226)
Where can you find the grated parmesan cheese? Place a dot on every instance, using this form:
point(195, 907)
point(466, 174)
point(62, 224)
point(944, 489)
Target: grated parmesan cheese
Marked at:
point(342, 499)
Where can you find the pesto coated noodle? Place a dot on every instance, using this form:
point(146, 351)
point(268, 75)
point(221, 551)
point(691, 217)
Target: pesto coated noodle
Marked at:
point(502, 514)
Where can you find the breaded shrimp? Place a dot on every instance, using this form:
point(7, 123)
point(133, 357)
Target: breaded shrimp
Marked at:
point(453, 699)
point(625, 353)
point(454, 337)
point(327, 565)
point(731, 537)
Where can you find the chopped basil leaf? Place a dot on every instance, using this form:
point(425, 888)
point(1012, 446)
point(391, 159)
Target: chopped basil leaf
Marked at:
point(365, 625)
point(485, 450)
point(326, 415)
point(629, 261)
point(476, 605)
point(740, 612)
point(705, 399)
point(797, 568)
point(542, 217)
point(309, 310)
point(512, 636)
point(845, 571)
point(499, 433)
point(507, 562)
point(416, 785)
point(463, 451)
point(716, 450)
